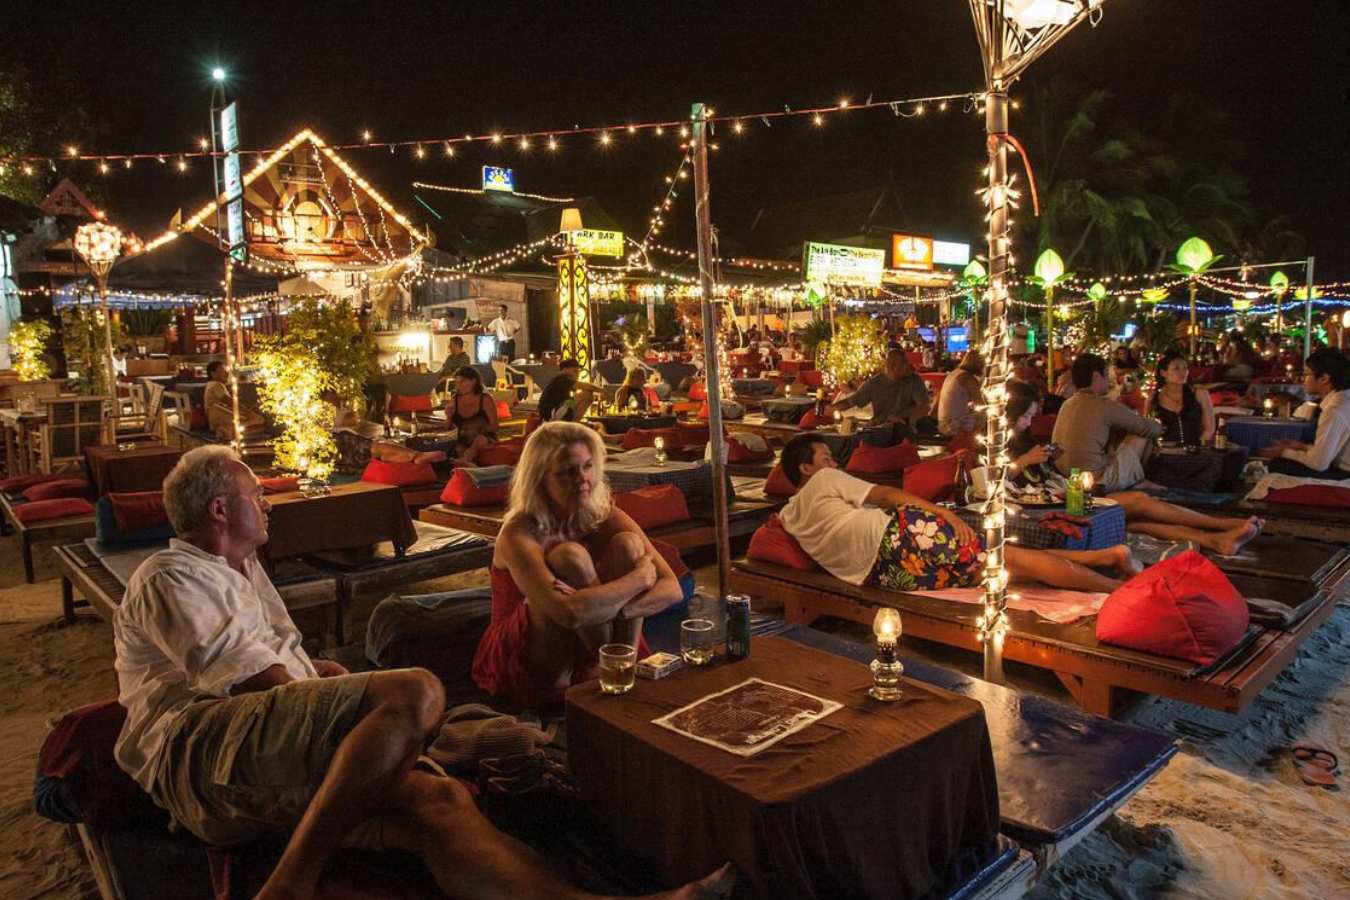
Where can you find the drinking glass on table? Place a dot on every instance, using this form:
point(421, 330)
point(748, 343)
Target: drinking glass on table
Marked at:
point(696, 641)
point(618, 668)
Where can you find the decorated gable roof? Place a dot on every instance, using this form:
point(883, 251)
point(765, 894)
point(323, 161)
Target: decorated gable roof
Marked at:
point(66, 199)
point(305, 206)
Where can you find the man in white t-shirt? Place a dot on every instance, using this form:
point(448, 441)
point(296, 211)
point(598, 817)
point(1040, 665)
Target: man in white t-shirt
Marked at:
point(505, 328)
point(866, 533)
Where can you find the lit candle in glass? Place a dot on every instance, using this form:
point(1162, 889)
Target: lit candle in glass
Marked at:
point(1289, 370)
point(632, 402)
point(1269, 405)
point(660, 444)
point(1087, 480)
point(886, 668)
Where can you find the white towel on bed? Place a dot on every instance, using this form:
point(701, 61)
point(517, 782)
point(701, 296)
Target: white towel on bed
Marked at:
point(1052, 604)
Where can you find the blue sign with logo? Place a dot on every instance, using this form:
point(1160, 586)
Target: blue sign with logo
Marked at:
point(497, 178)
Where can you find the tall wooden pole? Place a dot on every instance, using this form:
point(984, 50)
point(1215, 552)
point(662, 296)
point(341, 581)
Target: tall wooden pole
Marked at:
point(1307, 308)
point(712, 377)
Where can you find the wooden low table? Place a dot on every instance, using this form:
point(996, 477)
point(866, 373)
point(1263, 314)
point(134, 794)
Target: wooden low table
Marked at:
point(875, 799)
point(46, 531)
point(141, 468)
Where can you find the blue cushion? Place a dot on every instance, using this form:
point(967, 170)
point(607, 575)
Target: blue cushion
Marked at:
point(105, 527)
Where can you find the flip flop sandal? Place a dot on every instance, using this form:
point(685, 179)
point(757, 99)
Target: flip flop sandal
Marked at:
point(1316, 766)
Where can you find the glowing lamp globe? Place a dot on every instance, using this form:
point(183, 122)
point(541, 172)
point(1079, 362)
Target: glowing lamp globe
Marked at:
point(1049, 267)
point(1279, 284)
point(1097, 291)
point(98, 243)
point(571, 220)
point(1153, 295)
point(975, 270)
point(1032, 14)
point(1194, 255)
point(217, 74)
point(886, 668)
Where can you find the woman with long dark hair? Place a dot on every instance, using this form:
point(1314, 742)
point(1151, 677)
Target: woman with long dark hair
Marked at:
point(473, 413)
point(1185, 411)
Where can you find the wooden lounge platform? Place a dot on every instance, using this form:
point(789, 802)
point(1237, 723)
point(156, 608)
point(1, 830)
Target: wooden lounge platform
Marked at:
point(1318, 523)
point(48, 531)
point(1097, 675)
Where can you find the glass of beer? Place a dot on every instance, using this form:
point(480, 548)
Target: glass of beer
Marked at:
point(697, 641)
point(618, 668)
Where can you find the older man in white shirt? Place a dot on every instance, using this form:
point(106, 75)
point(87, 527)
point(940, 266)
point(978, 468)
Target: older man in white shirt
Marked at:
point(1326, 376)
point(231, 728)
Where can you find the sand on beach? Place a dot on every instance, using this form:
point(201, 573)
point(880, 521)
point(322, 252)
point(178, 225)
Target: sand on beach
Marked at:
point(1228, 818)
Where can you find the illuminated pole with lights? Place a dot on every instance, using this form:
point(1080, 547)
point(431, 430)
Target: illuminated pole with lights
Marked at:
point(574, 296)
point(228, 323)
point(1309, 294)
point(711, 341)
point(1012, 34)
point(99, 245)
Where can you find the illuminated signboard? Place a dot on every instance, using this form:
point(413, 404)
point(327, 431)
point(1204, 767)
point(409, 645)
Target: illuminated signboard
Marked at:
point(951, 253)
point(909, 251)
point(837, 264)
point(593, 242)
point(496, 178)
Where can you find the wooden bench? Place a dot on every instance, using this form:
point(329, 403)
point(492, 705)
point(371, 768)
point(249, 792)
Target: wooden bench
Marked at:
point(48, 531)
point(1318, 523)
point(1097, 675)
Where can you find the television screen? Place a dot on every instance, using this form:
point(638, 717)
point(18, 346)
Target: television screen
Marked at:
point(958, 339)
point(928, 334)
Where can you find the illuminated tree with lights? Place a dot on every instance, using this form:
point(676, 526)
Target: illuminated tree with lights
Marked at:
point(858, 349)
point(27, 341)
point(291, 387)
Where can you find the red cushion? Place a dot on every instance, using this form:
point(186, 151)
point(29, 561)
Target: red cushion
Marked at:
point(693, 435)
point(403, 474)
point(738, 452)
point(811, 377)
point(138, 510)
point(777, 484)
point(19, 483)
point(671, 554)
point(197, 420)
point(419, 403)
point(461, 491)
point(503, 410)
point(868, 460)
point(772, 543)
point(698, 391)
point(505, 453)
point(654, 505)
point(532, 421)
point(61, 487)
point(79, 751)
point(1183, 608)
point(653, 398)
point(1312, 495)
point(810, 421)
point(42, 510)
point(279, 485)
point(1043, 426)
point(1134, 400)
point(933, 479)
point(634, 438)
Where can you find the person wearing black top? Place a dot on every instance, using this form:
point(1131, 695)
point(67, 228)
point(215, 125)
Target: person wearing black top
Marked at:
point(473, 412)
point(555, 400)
point(1184, 410)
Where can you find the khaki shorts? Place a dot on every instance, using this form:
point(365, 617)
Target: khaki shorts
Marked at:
point(238, 769)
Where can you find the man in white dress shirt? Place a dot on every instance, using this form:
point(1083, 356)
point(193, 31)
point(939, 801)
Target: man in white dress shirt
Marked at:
point(505, 328)
point(1326, 377)
point(235, 731)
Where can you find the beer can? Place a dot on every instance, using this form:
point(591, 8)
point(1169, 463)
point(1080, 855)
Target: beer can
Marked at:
point(738, 626)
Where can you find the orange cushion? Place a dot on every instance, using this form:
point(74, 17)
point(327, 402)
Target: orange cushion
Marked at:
point(505, 453)
point(403, 474)
point(634, 438)
point(933, 479)
point(503, 410)
point(1183, 607)
point(139, 509)
point(772, 543)
point(777, 484)
point(868, 460)
point(461, 491)
point(654, 505)
point(61, 487)
point(1311, 495)
point(42, 510)
point(401, 404)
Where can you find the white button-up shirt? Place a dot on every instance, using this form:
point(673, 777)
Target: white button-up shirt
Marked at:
point(192, 627)
point(1332, 444)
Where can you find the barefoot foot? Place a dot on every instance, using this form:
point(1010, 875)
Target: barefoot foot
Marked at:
point(1228, 543)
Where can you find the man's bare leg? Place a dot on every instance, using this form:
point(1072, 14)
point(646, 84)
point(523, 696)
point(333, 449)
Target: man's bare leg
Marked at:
point(1057, 569)
point(1141, 506)
point(436, 818)
point(398, 712)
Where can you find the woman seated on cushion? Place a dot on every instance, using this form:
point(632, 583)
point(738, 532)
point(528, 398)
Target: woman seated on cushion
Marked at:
point(473, 413)
point(631, 396)
point(1184, 410)
point(1144, 514)
point(570, 572)
point(358, 442)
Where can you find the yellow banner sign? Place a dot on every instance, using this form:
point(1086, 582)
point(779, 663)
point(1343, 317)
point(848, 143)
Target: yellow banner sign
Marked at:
point(842, 265)
point(592, 242)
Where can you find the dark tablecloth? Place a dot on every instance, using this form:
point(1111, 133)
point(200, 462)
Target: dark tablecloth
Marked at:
point(142, 468)
point(1208, 471)
point(875, 800)
point(360, 514)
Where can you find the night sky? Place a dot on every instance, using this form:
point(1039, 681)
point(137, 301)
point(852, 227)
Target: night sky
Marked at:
point(439, 69)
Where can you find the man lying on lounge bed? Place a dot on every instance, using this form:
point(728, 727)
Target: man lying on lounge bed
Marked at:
point(238, 734)
point(866, 533)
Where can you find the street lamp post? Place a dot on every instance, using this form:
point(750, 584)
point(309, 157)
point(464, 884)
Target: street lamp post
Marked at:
point(1012, 34)
point(99, 245)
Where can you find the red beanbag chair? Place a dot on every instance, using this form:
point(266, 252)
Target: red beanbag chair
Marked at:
point(868, 460)
point(461, 491)
point(933, 479)
point(772, 543)
point(1183, 608)
point(634, 438)
point(79, 753)
point(60, 487)
point(777, 484)
point(654, 505)
point(42, 510)
point(1312, 495)
point(505, 453)
point(403, 474)
point(138, 510)
point(402, 404)
point(279, 485)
